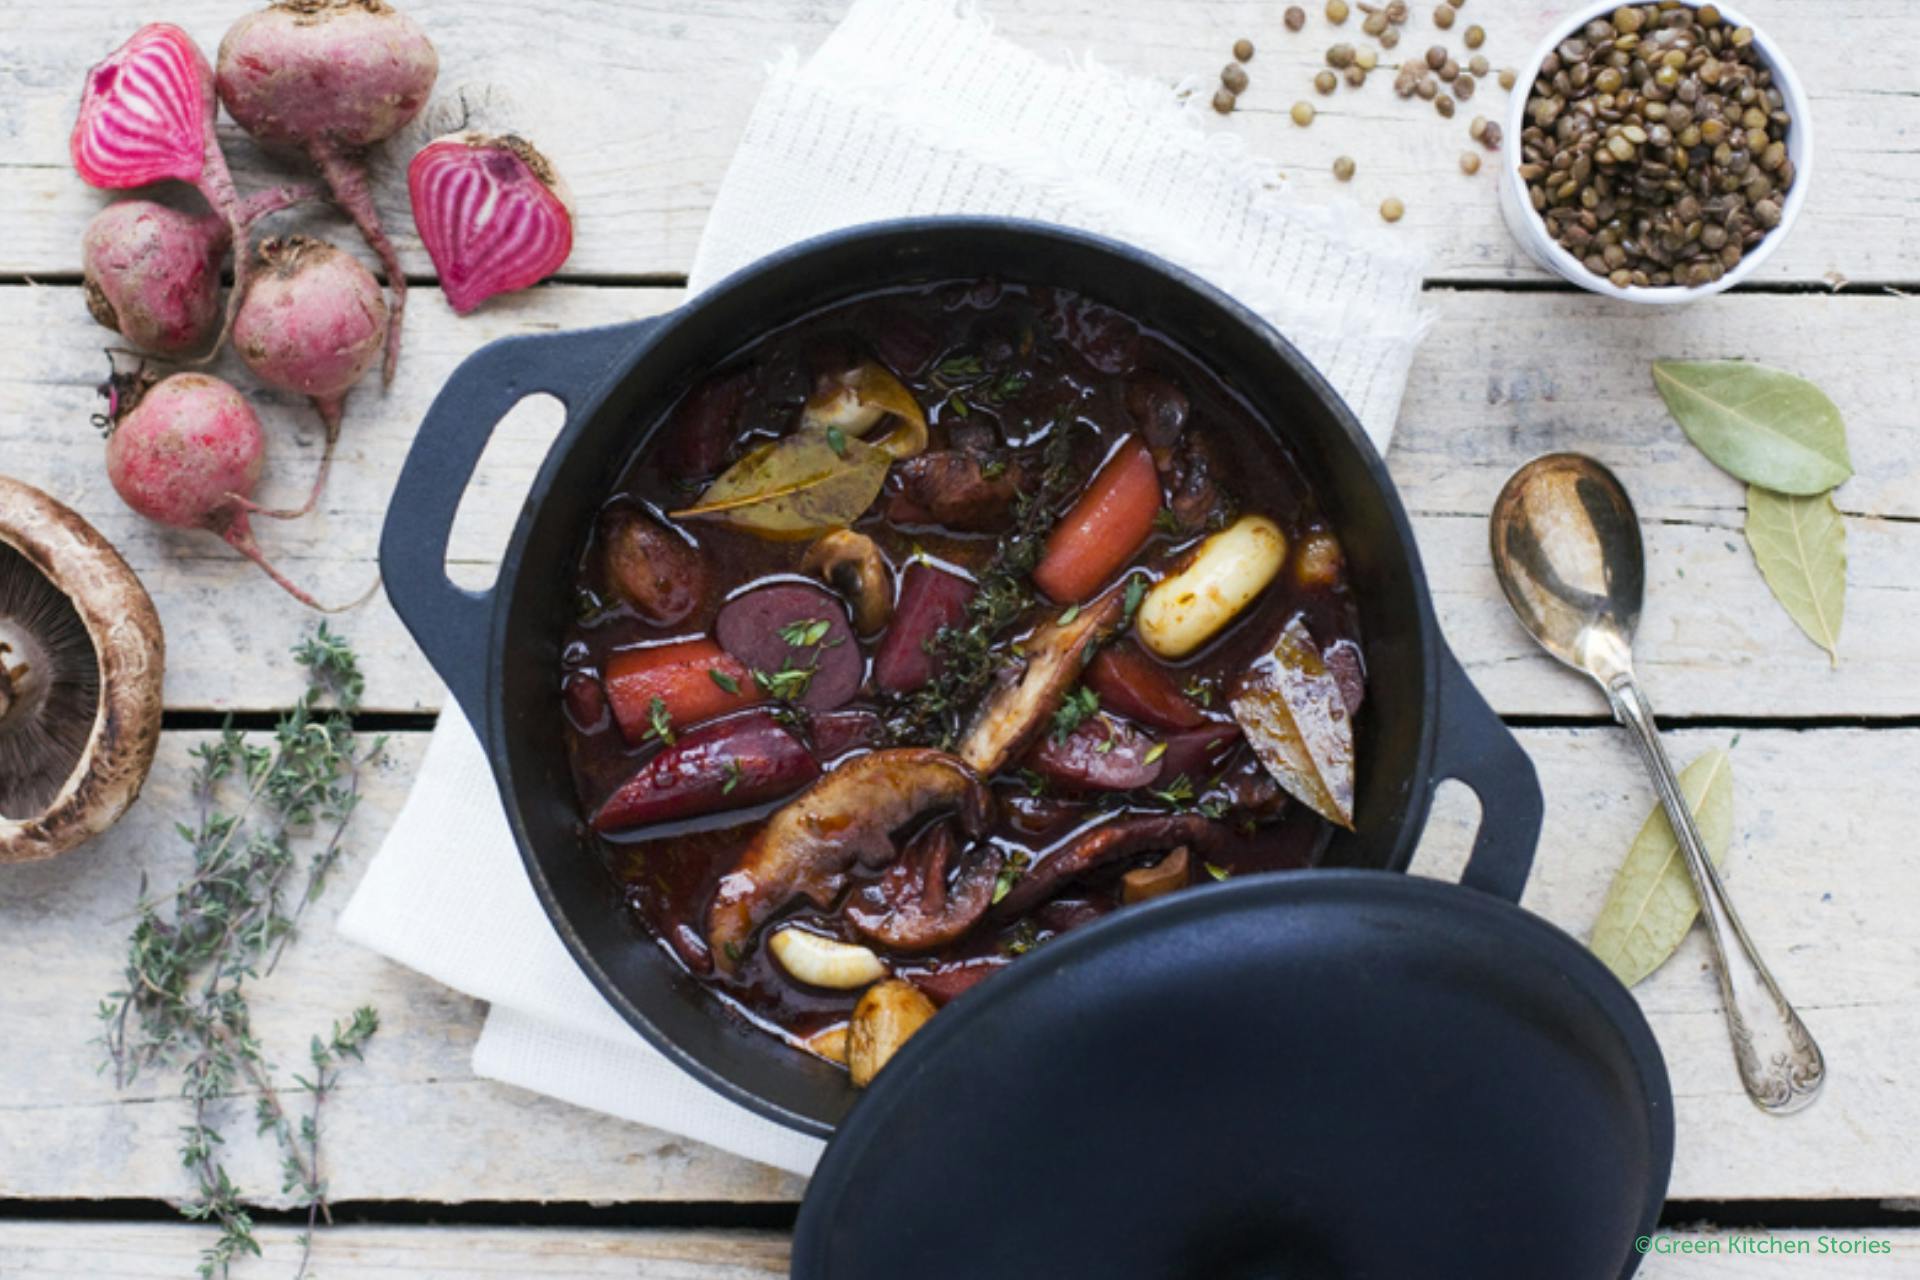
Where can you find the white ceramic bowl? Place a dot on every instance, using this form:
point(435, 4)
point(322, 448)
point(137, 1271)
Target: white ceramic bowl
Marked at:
point(1531, 230)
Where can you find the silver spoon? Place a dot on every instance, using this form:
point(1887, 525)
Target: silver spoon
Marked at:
point(1566, 547)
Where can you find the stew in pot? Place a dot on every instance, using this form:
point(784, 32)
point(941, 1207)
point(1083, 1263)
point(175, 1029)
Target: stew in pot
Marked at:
point(939, 623)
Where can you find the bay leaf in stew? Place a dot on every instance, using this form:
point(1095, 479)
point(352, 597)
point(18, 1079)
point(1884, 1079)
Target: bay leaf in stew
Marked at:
point(798, 487)
point(1289, 705)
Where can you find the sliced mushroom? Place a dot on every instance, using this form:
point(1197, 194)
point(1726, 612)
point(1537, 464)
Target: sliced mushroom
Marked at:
point(1109, 843)
point(1158, 880)
point(886, 1018)
point(1193, 484)
point(821, 961)
point(1023, 701)
point(860, 399)
point(851, 564)
point(956, 488)
point(848, 816)
point(1159, 410)
point(911, 907)
point(81, 656)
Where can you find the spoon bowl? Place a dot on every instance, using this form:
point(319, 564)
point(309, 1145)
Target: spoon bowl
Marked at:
point(1567, 551)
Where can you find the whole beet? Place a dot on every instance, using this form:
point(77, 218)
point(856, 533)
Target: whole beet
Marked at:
point(146, 115)
point(153, 274)
point(187, 452)
point(312, 322)
point(331, 78)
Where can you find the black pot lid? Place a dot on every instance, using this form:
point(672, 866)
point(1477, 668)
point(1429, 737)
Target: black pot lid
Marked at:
point(1351, 1074)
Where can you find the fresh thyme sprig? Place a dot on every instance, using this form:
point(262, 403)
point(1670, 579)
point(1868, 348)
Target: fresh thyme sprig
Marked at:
point(265, 815)
point(968, 652)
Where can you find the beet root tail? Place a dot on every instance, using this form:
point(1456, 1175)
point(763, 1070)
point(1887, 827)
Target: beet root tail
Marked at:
point(239, 536)
point(346, 176)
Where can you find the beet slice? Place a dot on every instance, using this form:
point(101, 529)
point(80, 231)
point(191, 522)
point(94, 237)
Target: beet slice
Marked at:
point(726, 764)
point(930, 598)
point(837, 732)
point(1136, 686)
point(1197, 754)
point(1103, 754)
point(759, 628)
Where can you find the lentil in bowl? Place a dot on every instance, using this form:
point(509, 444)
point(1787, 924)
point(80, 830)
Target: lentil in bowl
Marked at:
point(1659, 152)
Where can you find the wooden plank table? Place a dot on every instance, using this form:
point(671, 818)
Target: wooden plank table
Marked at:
point(443, 1174)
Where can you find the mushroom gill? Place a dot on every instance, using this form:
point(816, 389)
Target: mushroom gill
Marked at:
point(81, 657)
point(49, 688)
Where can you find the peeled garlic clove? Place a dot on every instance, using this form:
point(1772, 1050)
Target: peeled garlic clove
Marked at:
point(1184, 610)
point(825, 962)
point(886, 1017)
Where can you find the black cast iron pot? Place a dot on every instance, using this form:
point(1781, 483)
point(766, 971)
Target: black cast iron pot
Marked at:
point(499, 650)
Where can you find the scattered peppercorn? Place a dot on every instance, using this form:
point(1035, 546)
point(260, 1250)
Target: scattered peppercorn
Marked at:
point(1243, 49)
point(1392, 209)
point(1343, 168)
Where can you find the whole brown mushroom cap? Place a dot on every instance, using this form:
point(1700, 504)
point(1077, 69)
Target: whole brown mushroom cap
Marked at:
point(129, 651)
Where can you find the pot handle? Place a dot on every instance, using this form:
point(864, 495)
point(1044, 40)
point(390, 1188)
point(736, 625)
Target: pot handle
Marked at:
point(451, 624)
point(1476, 748)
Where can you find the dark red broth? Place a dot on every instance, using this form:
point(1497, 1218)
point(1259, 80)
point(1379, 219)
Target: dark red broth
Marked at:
point(1000, 372)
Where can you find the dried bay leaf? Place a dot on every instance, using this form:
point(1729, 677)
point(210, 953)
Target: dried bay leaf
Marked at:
point(1800, 545)
point(1290, 707)
point(797, 487)
point(1763, 425)
point(1651, 905)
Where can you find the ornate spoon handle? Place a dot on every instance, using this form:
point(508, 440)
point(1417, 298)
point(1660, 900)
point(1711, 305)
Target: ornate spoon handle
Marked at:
point(1779, 1063)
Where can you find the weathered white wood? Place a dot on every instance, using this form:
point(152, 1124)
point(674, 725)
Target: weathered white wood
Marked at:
point(412, 1122)
point(640, 105)
point(1504, 376)
point(37, 1250)
point(1819, 867)
point(154, 1251)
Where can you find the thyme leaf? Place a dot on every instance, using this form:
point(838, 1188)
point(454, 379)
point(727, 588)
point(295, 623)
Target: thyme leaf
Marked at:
point(265, 814)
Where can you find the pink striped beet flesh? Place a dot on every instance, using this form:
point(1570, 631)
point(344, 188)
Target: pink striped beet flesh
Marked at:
point(146, 112)
point(493, 215)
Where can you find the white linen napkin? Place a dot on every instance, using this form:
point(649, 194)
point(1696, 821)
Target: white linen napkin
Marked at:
point(910, 107)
